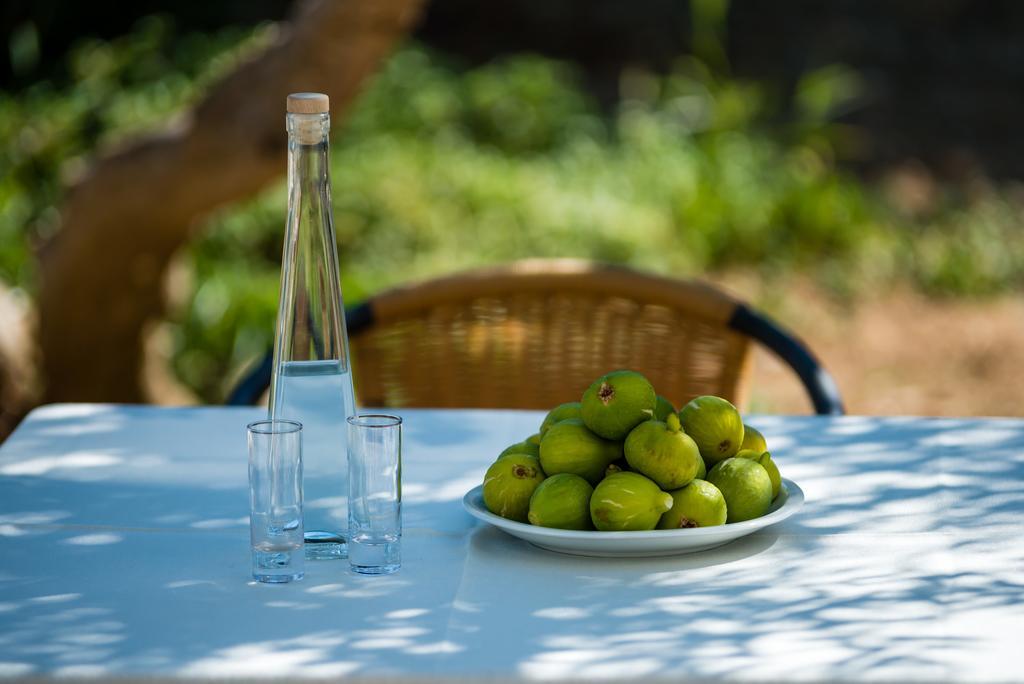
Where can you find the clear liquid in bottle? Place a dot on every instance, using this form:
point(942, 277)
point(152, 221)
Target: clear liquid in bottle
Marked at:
point(311, 381)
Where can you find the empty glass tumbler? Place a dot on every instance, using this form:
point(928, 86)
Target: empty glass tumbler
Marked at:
point(275, 500)
point(375, 493)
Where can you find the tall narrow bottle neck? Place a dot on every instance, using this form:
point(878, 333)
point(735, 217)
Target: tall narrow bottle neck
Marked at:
point(307, 147)
point(308, 129)
point(311, 322)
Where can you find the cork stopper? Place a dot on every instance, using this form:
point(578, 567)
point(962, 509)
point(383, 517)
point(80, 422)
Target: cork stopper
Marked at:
point(308, 103)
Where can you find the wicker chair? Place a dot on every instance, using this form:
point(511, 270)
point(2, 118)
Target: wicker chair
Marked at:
point(535, 333)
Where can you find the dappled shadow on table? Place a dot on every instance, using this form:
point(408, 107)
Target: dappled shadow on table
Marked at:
point(900, 512)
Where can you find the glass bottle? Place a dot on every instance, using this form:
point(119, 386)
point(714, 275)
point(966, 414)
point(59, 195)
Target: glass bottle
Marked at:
point(311, 382)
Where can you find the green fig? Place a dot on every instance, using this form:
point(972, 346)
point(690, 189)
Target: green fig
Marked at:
point(533, 439)
point(558, 414)
point(702, 470)
point(616, 403)
point(715, 425)
point(753, 440)
point(521, 448)
point(663, 408)
point(562, 501)
point(698, 504)
point(569, 447)
point(773, 473)
point(765, 459)
point(509, 484)
point(746, 487)
point(663, 452)
point(627, 501)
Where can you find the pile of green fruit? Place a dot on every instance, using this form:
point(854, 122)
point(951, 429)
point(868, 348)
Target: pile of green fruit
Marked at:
point(622, 458)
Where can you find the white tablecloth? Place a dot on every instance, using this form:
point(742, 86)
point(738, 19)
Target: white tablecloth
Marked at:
point(124, 551)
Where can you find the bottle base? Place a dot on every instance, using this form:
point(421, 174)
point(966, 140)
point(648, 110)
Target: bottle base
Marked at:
point(278, 579)
point(321, 545)
point(376, 569)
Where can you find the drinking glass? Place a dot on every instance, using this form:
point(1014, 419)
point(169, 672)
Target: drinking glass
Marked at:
point(275, 500)
point(375, 493)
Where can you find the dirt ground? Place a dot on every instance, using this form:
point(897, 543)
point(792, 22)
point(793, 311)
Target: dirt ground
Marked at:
point(899, 354)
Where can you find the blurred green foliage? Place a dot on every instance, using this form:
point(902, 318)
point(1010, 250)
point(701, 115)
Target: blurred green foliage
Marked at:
point(113, 90)
point(438, 169)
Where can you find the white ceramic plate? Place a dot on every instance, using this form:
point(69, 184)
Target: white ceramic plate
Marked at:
point(637, 544)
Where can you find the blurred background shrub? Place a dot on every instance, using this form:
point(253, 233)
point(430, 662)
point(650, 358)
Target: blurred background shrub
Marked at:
point(449, 163)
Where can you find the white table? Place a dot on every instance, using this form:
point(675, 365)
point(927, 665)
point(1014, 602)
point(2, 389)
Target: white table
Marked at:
point(124, 551)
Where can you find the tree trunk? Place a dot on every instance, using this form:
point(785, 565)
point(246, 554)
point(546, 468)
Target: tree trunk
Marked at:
point(122, 222)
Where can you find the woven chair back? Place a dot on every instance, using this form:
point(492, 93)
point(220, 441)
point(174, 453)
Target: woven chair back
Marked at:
point(536, 333)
